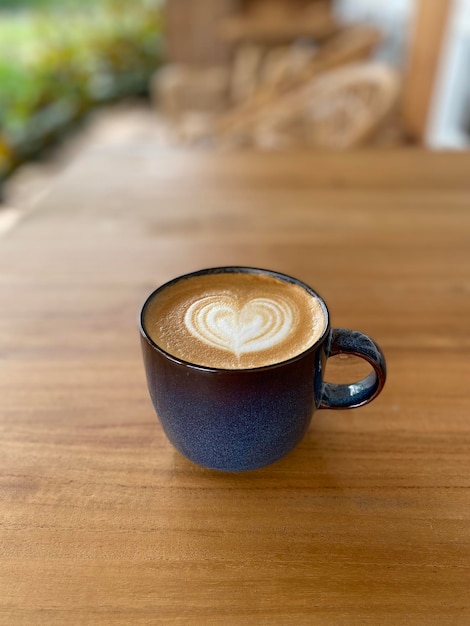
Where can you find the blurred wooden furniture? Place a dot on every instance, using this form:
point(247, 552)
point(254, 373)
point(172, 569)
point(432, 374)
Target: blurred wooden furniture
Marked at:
point(229, 39)
point(338, 110)
point(351, 44)
point(366, 522)
point(271, 46)
point(426, 39)
point(179, 90)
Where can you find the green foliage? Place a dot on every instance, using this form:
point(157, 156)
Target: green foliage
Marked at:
point(19, 4)
point(56, 64)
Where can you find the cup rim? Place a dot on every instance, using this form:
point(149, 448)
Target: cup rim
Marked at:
point(233, 269)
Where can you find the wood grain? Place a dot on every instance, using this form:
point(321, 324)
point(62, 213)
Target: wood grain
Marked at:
point(366, 522)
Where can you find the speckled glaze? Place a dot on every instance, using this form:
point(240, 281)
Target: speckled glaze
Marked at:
point(236, 420)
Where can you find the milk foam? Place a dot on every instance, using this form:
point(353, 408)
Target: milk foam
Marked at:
point(259, 324)
point(234, 320)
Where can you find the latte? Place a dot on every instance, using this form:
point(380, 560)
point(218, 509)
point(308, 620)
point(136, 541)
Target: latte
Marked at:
point(234, 320)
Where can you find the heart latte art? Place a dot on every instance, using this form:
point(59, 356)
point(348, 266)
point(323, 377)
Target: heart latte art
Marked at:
point(257, 325)
point(234, 320)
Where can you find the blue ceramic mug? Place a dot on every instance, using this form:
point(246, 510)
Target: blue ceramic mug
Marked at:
point(242, 417)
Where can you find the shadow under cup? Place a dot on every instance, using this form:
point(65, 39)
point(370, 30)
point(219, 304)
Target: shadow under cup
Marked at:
point(243, 419)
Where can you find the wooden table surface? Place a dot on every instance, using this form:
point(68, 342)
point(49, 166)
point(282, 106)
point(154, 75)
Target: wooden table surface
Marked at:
point(366, 522)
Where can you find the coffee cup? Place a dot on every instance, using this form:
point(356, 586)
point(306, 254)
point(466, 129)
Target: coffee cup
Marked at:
point(235, 360)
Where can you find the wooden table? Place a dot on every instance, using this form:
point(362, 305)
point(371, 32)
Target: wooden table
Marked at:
point(366, 522)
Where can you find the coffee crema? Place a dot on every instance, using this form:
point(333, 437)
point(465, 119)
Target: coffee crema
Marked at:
point(234, 320)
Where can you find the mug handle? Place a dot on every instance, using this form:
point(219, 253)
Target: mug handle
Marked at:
point(349, 396)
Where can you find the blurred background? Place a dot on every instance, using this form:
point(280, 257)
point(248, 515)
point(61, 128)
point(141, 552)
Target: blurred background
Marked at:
point(228, 74)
